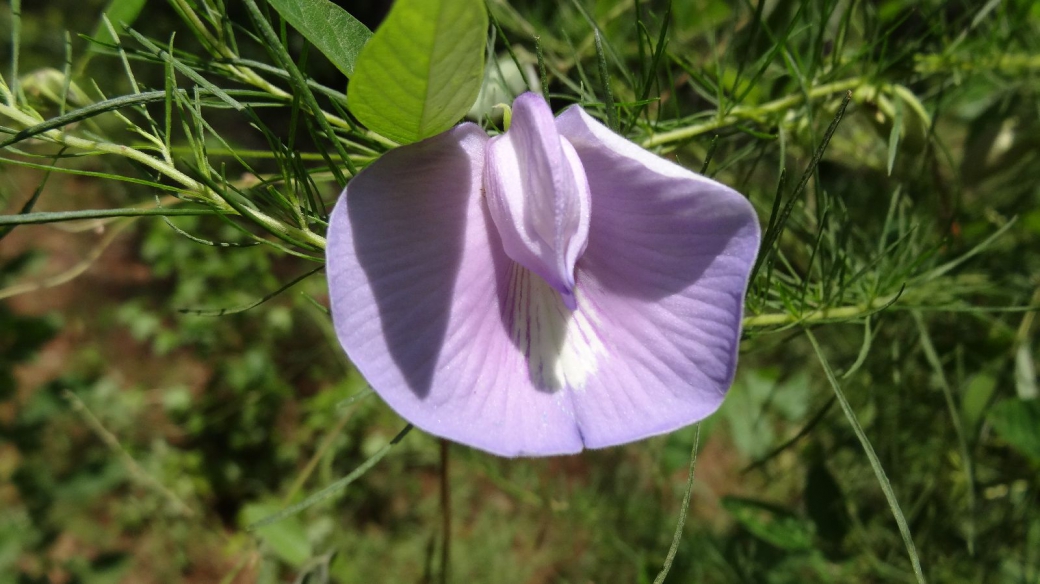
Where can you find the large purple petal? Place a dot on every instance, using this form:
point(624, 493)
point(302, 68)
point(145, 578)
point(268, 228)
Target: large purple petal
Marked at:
point(419, 285)
point(661, 287)
point(538, 195)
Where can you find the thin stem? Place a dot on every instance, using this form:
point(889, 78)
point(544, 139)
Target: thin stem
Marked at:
point(251, 77)
point(326, 443)
point(1003, 63)
point(445, 515)
point(199, 27)
point(336, 487)
point(955, 418)
point(137, 473)
point(71, 273)
point(677, 537)
point(108, 148)
point(220, 48)
point(167, 169)
point(16, 41)
point(5, 92)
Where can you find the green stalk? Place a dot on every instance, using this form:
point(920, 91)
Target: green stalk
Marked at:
point(739, 113)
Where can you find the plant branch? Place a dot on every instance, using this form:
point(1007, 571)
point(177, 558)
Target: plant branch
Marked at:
point(739, 113)
point(850, 312)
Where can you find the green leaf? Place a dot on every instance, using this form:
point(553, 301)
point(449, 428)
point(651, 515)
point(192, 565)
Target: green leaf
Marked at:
point(422, 69)
point(119, 12)
point(287, 540)
point(772, 524)
point(977, 396)
point(1017, 422)
point(337, 34)
point(59, 216)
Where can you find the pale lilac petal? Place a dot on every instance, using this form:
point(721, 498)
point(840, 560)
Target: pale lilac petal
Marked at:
point(538, 195)
point(468, 344)
point(661, 288)
point(419, 285)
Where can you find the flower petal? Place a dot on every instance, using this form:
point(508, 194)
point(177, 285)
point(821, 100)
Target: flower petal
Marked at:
point(418, 282)
point(538, 195)
point(661, 285)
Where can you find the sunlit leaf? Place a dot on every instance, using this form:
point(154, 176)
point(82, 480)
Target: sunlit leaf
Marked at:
point(422, 70)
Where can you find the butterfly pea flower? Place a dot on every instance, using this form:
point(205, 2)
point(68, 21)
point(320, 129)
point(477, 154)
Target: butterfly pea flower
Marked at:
point(549, 289)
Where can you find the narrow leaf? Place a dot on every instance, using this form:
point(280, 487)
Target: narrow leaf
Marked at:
point(253, 304)
point(875, 462)
point(333, 489)
point(604, 77)
point(84, 113)
point(59, 216)
point(337, 34)
point(422, 70)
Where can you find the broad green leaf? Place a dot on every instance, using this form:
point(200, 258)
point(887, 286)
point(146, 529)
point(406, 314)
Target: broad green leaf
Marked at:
point(422, 69)
point(119, 12)
point(337, 34)
point(1017, 421)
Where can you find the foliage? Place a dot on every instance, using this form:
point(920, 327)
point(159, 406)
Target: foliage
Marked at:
point(885, 413)
point(422, 69)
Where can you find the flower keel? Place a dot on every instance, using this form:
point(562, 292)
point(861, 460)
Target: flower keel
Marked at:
point(538, 195)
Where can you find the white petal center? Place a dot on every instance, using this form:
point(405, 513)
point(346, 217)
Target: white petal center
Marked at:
point(562, 346)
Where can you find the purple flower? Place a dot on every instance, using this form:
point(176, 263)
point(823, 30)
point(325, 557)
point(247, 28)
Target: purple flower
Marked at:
point(552, 288)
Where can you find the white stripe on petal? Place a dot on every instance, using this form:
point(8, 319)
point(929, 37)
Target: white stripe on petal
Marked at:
point(562, 347)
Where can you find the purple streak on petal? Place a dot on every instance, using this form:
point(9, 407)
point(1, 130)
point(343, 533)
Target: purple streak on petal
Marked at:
point(417, 277)
point(662, 286)
point(538, 195)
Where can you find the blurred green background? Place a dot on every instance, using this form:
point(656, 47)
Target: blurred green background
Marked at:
point(138, 442)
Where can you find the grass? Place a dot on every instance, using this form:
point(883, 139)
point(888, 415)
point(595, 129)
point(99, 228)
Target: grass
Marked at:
point(889, 148)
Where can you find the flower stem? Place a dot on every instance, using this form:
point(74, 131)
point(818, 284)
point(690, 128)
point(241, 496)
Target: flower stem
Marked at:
point(445, 515)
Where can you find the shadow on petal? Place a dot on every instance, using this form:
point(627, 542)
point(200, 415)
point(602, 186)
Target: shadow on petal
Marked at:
point(651, 236)
point(655, 227)
point(408, 217)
